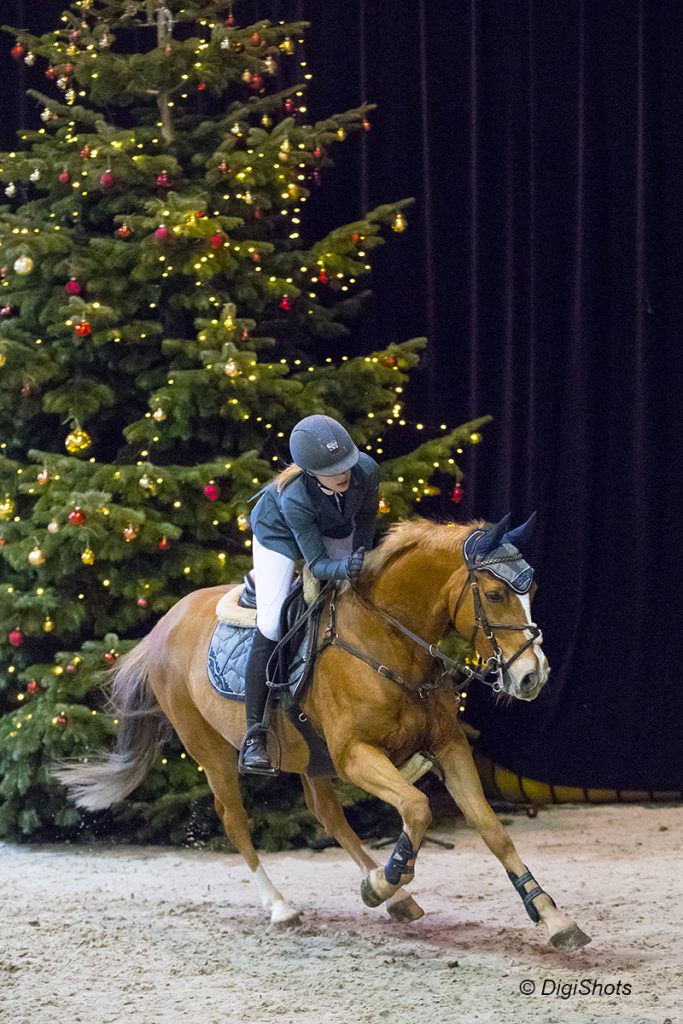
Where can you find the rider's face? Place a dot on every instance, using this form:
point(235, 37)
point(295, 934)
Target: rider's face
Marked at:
point(338, 483)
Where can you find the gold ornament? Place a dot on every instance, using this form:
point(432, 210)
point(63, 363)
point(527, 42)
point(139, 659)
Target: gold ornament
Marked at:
point(23, 265)
point(3, 359)
point(88, 556)
point(399, 223)
point(159, 415)
point(77, 441)
point(48, 624)
point(341, 133)
point(53, 526)
point(287, 46)
point(36, 556)
point(43, 477)
point(231, 369)
point(6, 507)
point(243, 521)
point(130, 532)
point(384, 507)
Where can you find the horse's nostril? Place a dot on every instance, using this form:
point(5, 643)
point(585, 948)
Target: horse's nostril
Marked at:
point(529, 682)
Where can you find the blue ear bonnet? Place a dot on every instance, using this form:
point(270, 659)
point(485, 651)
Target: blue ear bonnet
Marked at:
point(496, 551)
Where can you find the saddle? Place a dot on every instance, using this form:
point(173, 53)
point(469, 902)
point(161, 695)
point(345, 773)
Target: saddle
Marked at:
point(294, 660)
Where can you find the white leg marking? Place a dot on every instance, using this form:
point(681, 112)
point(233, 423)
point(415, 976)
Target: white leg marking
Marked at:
point(281, 912)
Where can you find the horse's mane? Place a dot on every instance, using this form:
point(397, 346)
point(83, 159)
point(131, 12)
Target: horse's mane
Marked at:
point(412, 533)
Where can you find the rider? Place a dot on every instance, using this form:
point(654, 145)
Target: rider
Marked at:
point(322, 509)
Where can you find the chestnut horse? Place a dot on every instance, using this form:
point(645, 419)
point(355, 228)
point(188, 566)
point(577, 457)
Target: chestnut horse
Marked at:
point(374, 712)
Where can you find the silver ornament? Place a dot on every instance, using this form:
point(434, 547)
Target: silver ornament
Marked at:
point(35, 175)
point(11, 190)
point(46, 115)
point(23, 265)
point(30, 59)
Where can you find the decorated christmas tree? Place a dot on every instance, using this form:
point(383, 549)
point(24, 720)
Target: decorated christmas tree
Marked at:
point(164, 325)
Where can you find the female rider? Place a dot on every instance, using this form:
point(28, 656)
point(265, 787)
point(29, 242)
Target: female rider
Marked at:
point(321, 509)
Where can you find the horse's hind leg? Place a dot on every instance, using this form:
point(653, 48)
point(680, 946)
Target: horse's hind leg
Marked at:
point(219, 761)
point(323, 803)
point(462, 781)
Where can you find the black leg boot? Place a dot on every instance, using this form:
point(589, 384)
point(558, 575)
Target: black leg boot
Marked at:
point(254, 755)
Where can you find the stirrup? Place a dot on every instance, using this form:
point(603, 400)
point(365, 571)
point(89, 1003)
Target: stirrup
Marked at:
point(519, 881)
point(265, 768)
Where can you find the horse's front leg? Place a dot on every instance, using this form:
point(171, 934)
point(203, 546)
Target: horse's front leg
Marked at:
point(369, 768)
point(462, 781)
point(323, 802)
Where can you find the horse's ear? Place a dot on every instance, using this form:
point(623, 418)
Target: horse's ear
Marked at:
point(491, 539)
point(521, 534)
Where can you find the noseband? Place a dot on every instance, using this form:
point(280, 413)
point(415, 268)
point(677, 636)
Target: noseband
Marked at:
point(493, 672)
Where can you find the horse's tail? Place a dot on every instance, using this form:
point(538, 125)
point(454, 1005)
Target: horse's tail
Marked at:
point(105, 779)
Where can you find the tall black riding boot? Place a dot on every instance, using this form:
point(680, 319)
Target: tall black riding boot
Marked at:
point(254, 756)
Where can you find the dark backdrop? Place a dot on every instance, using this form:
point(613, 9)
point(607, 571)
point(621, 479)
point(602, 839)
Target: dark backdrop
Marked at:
point(542, 141)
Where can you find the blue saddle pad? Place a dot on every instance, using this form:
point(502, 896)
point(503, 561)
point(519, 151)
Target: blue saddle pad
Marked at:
point(227, 659)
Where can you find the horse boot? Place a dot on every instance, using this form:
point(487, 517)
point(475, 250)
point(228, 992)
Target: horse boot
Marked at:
point(254, 759)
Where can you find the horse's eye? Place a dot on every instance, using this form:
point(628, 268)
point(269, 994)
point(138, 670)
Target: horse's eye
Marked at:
point(494, 596)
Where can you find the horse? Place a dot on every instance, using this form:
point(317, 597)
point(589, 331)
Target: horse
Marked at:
point(381, 692)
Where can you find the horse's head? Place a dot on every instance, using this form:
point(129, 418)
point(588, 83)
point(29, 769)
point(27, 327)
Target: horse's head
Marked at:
point(493, 608)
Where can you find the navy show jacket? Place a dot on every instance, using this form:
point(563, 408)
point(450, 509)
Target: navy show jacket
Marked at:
point(295, 520)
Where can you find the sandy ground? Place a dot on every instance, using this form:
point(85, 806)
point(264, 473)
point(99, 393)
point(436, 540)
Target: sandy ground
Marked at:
point(143, 935)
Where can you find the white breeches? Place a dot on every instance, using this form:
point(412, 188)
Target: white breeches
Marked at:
point(273, 574)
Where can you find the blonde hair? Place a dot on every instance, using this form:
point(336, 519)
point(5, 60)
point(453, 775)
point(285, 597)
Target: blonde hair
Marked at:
point(285, 476)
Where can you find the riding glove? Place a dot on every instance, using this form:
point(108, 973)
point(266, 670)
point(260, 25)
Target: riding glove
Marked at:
point(339, 568)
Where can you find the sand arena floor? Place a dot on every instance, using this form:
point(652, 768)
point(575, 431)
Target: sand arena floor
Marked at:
point(148, 935)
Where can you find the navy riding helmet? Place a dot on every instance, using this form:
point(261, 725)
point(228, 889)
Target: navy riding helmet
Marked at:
point(323, 446)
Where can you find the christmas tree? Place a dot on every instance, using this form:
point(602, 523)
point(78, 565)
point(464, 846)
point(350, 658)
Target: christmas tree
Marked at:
point(164, 325)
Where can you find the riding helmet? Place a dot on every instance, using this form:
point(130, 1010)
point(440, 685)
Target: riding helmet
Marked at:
point(322, 446)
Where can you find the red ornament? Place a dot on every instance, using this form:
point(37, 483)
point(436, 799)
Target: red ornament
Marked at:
point(110, 657)
point(26, 391)
point(255, 38)
point(73, 287)
point(256, 82)
point(390, 361)
point(85, 153)
point(456, 496)
point(201, 87)
point(33, 687)
point(217, 241)
point(76, 517)
point(245, 335)
point(212, 492)
point(60, 720)
point(123, 232)
point(7, 311)
point(163, 180)
point(223, 167)
point(142, 602)
point(289, 105)
point(16, 638)
point(323, 278)
point(71, 668)
point(17, 51)
point(83, 329)
point(50, 72)
point(258, 214)
point(317, 152)
point(107, 179)
point(355, 237)
point(366, 125)
point(285, 304)
point(256, 257)
point(162, 233)
point(164, 544)
point(64, 176)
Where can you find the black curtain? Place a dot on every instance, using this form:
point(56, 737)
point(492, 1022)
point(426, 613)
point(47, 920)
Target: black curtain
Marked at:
point(541, 140)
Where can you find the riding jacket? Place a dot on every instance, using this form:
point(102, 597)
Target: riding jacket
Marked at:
point(295, 520)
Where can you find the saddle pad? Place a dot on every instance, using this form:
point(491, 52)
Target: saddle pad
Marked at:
point(227, 659)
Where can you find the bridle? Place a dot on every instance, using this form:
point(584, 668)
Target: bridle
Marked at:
point(495, 665)
point(491, 673)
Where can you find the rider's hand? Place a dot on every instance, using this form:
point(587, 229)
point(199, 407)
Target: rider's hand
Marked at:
point(355, 564)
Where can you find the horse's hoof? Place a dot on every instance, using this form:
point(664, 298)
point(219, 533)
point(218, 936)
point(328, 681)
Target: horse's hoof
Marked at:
point(405, 910)
point(570, 939)
point(284, 916)
point(369, 896)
